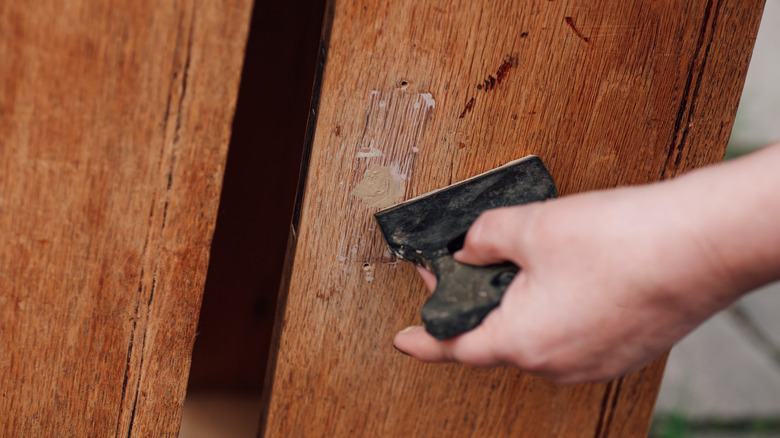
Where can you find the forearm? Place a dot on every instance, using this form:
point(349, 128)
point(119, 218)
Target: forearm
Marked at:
point(734, 210)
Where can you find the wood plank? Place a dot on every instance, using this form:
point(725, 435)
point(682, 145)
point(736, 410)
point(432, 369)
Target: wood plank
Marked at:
point(607, 93)
point(114, 124)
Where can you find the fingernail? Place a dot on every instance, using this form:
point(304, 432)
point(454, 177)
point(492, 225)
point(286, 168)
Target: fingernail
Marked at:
point(401, 351)
point(408, 329)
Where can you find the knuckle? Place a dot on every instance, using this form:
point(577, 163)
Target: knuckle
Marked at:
point(535, 357)
point(479, 235)
point(538, 224)
point(474, 237)
point(534, 363)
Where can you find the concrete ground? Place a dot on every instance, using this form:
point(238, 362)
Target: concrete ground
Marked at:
point(724, 378)
point(722, 381)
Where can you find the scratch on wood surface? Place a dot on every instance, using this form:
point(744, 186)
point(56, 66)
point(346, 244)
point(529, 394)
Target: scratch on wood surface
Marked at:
point(577, 32)
point(467, 108)
point(688, 102)
point(178, 84)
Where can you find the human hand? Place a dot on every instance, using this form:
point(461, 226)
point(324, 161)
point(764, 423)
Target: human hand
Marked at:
point(608, 281)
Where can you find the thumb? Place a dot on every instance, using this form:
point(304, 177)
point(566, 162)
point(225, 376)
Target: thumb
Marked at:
point(496, 236)
point(478, 347)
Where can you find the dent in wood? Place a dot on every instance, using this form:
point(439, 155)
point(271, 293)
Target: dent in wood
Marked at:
point(368, 271)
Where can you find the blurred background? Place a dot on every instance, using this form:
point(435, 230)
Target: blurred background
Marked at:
point(723, 380)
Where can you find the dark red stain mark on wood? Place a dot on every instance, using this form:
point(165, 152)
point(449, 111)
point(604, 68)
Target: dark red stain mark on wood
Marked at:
point(524, 34)
point(504, 69)
point(337, 130)
point(577, 32)
point(468, 108)
point(490, 82)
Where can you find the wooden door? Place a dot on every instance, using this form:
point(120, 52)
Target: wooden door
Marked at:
point(114, 123)
point(606, 93)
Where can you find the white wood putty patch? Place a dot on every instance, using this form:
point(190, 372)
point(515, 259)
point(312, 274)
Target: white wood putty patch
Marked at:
point(370, 153)
point(383, 148)
point(342, 258)
point(395, 172)
point(428, 98)
point(380, 188)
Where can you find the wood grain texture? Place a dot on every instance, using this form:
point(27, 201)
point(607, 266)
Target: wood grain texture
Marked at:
point(607, 93)
point(114, 124)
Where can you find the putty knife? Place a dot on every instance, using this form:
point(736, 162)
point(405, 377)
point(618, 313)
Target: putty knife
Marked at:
point(428, 229)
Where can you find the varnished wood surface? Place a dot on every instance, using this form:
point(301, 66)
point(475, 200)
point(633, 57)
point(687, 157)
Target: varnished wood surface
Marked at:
point(606, 93)
point(114, 125)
